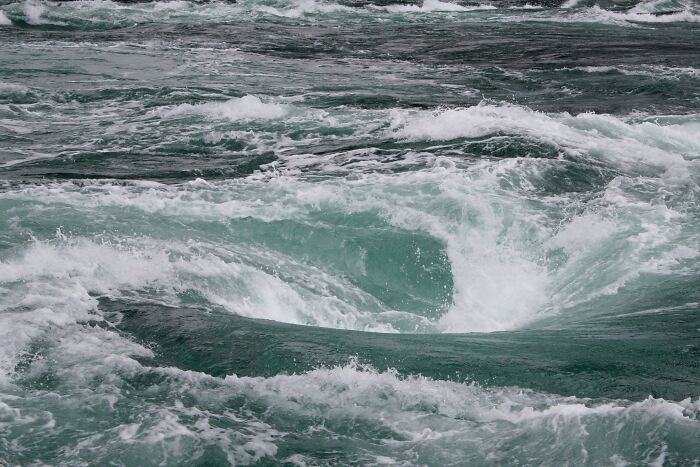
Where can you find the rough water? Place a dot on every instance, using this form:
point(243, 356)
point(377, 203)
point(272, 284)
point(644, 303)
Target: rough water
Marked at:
point(298, 232)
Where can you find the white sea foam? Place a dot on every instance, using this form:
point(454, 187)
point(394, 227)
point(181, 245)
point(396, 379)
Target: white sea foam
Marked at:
point(494, 238)
point(496, 286)
point(652, 71)
point(629, 146)
point(435, 6)
point(96, 12)
point(237, 108)
point(453, 423)
point(4, 20)
point(458, 423)
point(33, 12)
point(597, 14)
point(572, 11)
point(450, 421)
point(90, 13)
point(11, 88)
point(360, 388)
point(72, 271)
point(570, 3)
point(675, 10)
point(300, 8)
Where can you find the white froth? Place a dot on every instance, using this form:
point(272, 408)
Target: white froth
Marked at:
point(450, 422)
point(33, 11)
point(300, 8)
point(495, 238)
point(243, 108)
point(435, 6)
point(598, 14)
point(4, 20)
point(652, 71)
point(629, 146)
point(497, 286)
point(9, 88)
point(60, 279)
point(584, 232)
point(570, 3)
point(572, 11)
point(467, 422)
point(117, 14)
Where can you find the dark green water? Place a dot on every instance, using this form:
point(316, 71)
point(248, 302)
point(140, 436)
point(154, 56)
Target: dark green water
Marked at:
point(281, 232)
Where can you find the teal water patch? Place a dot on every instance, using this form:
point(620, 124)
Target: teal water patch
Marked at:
point(614, 358)
point(406, 271)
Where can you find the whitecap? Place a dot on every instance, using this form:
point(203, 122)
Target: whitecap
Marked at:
point(429, 6)
point(237, 108)
point(4, 20)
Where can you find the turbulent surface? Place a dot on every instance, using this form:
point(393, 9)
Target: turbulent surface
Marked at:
point(311, 233)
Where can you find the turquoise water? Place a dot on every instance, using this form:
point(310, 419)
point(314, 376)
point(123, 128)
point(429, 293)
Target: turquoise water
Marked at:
point(314, 233)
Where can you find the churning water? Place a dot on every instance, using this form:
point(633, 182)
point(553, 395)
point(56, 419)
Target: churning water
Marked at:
point(311, 233)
